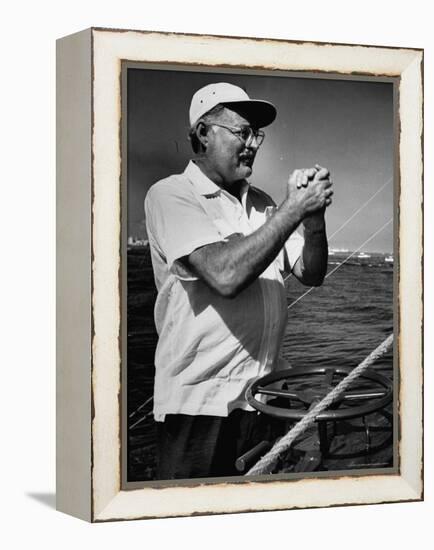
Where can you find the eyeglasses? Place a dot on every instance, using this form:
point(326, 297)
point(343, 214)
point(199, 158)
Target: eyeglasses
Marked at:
point(244, 133)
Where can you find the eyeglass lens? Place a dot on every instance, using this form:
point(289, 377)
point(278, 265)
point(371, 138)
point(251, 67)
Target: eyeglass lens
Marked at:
point(247, 134)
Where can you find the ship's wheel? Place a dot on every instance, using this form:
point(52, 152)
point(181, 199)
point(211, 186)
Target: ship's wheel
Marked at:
point(298, 389)
point(289, 394)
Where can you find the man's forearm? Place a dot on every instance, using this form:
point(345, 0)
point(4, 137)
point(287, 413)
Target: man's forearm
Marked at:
point(230, 267)
point(315, 251)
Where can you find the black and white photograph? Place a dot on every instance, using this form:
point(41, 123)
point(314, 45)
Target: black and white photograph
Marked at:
point(259, 273)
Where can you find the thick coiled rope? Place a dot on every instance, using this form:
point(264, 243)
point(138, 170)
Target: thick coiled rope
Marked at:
point(265, 464)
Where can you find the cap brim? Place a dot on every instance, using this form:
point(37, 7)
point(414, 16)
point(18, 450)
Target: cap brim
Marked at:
point(259, 113)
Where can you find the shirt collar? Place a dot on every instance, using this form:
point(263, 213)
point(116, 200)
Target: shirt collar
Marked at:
point(205, 186)
point(201, 182)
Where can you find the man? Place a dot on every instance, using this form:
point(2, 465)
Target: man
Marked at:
point(219, 247)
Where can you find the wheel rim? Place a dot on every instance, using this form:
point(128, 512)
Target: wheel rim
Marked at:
point(376, 399)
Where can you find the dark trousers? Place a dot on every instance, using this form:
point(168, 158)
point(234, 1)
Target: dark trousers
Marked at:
point(208, 446)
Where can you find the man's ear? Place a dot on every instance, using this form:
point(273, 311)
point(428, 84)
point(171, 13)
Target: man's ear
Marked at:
point(202, 134)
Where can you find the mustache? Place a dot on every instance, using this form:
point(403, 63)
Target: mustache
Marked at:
point(247, 156)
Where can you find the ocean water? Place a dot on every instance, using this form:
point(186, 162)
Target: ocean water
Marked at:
point(341, 322)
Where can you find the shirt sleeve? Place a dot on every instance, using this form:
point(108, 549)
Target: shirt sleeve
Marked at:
point(293, 248)
point(178, 224)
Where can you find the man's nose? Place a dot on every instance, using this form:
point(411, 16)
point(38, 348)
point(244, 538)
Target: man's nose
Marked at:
point(252, 143)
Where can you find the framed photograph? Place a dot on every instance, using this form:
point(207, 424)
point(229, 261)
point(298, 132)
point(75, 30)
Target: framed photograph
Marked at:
point(239, 274)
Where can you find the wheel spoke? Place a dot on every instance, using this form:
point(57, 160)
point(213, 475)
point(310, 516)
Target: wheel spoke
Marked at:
point(366, 394)
point(277, 393)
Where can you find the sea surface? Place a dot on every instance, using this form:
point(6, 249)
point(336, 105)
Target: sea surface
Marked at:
point(337, 324)
point(342, 321)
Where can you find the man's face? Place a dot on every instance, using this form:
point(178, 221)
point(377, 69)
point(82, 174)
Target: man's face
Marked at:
point(231, 158)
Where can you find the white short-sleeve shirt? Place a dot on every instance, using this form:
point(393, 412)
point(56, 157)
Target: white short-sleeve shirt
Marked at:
point(210, 347)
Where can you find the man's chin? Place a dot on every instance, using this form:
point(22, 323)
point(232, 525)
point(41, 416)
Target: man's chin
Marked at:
point(246, 170)
point(241, 172)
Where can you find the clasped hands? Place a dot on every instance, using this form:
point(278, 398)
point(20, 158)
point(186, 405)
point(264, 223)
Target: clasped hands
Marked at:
point(311, 189)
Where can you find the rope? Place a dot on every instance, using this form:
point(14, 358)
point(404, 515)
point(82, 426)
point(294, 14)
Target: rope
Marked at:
point(267, 461)
point(341, 264)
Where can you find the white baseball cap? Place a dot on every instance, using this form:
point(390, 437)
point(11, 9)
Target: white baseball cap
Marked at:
point(259, 112)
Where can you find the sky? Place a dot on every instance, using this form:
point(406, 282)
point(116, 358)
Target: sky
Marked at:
point(344, 125)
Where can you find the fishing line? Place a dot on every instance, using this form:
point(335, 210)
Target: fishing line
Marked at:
point(140, 408)
point(346, 222)
point(361, 208)
point(342, 263)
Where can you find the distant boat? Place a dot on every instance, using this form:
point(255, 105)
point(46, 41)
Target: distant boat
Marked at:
point(363, 256)
point(389, 259)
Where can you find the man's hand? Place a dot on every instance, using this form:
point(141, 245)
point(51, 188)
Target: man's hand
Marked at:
point(310, 190)
point(309, 193)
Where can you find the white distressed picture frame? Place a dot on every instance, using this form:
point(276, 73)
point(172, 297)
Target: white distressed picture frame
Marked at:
point(89, 168)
